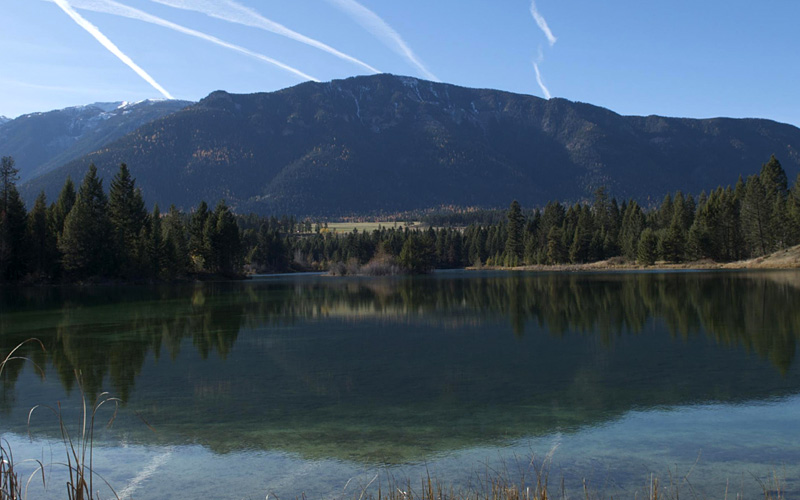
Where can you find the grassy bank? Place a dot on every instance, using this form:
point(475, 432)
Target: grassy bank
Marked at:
point(782, 259)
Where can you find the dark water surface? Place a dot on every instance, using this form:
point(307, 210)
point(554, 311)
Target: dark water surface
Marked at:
point(297, 384)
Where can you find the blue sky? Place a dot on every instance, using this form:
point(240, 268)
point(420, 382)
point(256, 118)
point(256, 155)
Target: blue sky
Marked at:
point(678, 58)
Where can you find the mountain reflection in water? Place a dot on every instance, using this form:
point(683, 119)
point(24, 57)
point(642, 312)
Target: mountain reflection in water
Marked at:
point(395, 370)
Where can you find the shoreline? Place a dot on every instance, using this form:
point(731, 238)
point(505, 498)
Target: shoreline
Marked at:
point(787, 259)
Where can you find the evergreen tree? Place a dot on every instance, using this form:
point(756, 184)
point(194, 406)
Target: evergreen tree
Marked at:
point(556, 250)
point(672, 241)
point(127, 216)
point(780, 225)
point(648, 248)
point(633, 223)
point(774, 180)
point(85, 243)
point(793, 209)
point(223, 242)
point(663, 217)
point(198, 245)
point(552, 217)
point(601, 209)
point(12, 223)
point(515, 243)
point(270, 252)
point(176, 246)
point(41, 240)
point(156, 254)
point(13, 227)
point(9, 175)
point(579, 249)
point(698, 242)
point(62, 207)
point(756, 217)
point(417, 254)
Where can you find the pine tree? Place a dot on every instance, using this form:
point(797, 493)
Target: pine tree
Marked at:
point(41, 240)
point(698, 242)
point(556, 250)
point(579, 249)
point(62, 207)
point(198, 246)
point(793, 209)
point(155, 245)
point(756, 217)
point(663, 217)
point(85, 243)
point(633, 223)
point(127, 216)
point(13, 228)
point(648, 248)
point(12, 224)
point(774, 180)
point(515, 243)
point(176, 246)
point(9, 175)
point(552, 217)
point(417, 254)
point(672, 241)
point(222, 238)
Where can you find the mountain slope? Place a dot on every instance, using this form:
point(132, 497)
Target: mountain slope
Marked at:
point(40, 142)
point(388, 143)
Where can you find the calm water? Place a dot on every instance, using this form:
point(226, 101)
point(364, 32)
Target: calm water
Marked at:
point(298, 384)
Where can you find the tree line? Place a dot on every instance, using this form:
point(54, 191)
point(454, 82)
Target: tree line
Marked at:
point(88, 234)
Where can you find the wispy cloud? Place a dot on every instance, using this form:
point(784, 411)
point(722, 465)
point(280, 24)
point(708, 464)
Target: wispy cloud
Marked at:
point(115, 8)
point(109, 45)
point(381, 29)
point(540, 81)
point(234, 12)
point(542, 24)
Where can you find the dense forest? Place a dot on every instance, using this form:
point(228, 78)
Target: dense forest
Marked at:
point(87, 234)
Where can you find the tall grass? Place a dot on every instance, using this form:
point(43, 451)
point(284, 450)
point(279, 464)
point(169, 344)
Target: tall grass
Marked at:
point(78, 448)
point(533, 483)
point(10, 485)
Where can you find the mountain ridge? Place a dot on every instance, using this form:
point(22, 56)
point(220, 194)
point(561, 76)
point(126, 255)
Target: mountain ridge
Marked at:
point(386, 143)
point(43, 141)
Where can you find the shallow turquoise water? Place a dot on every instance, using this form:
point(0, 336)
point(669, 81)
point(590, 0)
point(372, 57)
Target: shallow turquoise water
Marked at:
point(298, 384)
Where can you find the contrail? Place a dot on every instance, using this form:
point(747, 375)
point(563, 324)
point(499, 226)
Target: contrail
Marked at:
point(234, 12)
point(118, 9)
point(542, 24)
point(378, 27)
point(540, 82)
point(108, 44)
point(145, 474)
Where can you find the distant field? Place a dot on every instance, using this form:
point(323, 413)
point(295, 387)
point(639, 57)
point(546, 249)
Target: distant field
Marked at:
point(348, 227)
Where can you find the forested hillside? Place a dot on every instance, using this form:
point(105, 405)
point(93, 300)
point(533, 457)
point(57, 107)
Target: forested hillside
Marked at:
point(41, 142)
point(383, 144)
point(90, 234)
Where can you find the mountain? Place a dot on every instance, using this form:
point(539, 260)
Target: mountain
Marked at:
point(4, 120)
point(386, 143)
point(40, 142)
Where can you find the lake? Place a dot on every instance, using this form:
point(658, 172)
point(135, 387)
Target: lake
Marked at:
point(314, 385)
